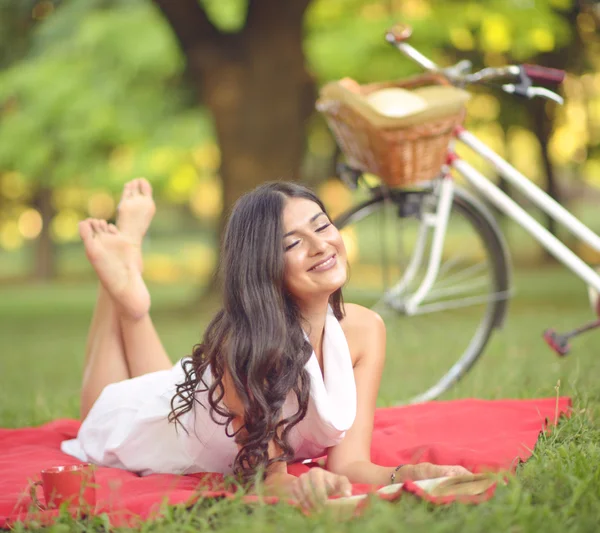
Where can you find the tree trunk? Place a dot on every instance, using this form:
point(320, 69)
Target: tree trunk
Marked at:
point(503, 183)
point(570, 58)
point(259, 104)
point(256, 86)
point(542, 127)
point(44, 251)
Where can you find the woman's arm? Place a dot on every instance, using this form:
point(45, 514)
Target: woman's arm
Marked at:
point(365, 331)
point(366, 335)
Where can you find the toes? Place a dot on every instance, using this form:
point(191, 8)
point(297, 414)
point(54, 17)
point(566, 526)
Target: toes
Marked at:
point(98, 225)
point(112, 229)
point(129, 188)
point(85, 229)
point(144, 187)
point(95, 224)
point(137, 186)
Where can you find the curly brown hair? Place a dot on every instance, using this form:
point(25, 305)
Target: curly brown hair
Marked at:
point(257, 337)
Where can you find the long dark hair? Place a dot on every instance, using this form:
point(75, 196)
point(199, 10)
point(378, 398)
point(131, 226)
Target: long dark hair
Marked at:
point(257, 336)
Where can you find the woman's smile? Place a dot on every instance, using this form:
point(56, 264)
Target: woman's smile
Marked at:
point(325, 264)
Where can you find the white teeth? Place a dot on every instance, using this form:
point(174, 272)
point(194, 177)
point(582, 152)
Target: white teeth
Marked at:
point(325, 263)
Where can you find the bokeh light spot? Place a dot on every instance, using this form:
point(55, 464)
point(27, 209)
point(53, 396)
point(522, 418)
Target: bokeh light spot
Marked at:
point(64, 225)
point(101, 205)
point(30, 223)
point(10, 237)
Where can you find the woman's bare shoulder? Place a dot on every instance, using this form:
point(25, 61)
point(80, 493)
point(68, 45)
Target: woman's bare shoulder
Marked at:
point(357, 314)
point(362, 327)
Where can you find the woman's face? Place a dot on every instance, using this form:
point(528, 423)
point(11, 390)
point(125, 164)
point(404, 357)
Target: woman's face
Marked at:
point(315, 256)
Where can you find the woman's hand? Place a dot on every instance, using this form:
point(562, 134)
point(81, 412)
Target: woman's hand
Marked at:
point(430, 471)
point(313, 488)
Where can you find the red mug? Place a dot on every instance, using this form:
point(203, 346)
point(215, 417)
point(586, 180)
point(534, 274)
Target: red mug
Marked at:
point(72, 484)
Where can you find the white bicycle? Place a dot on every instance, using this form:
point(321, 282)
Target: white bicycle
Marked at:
point(422, 247)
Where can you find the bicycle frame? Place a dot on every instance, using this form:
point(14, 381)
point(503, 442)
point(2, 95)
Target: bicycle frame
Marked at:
point(505, 204)
point(439, 220)
point(517, 213)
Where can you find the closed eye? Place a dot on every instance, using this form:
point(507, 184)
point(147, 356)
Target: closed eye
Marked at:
point(319, 229)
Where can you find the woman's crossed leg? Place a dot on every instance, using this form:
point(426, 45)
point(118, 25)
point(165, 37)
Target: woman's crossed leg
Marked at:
point(122, 341)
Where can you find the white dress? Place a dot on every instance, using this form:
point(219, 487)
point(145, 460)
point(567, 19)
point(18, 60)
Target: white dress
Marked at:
point(127, 426)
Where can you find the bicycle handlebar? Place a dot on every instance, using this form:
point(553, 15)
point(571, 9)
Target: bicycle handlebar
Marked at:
point(489, 74)
point(532, 92)
point(460, 74)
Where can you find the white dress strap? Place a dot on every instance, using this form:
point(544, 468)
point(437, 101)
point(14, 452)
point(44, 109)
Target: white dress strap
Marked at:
point(333, 393)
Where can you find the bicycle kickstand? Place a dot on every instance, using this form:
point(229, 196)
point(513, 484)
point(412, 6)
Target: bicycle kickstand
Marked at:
point(560, 343)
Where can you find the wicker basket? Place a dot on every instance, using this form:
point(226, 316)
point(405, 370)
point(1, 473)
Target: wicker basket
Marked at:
point(401, 152)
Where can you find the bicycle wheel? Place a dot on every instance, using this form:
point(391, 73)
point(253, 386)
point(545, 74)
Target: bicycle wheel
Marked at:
point(430, 348)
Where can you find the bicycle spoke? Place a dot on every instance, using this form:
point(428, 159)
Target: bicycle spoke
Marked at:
point(459, 276)
point(463, 302)
point(456, 315)
point(438, 292)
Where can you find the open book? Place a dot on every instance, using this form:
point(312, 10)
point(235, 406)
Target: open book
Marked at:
point(466, 485)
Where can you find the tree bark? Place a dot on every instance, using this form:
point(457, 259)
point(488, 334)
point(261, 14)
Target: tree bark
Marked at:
point(542, 127)
point(256, 86)
point(258, 104)
point(570, 59)
point(44, 251)
point(503, 183)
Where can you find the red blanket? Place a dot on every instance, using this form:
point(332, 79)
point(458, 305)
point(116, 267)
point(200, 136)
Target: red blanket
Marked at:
point(480, 435)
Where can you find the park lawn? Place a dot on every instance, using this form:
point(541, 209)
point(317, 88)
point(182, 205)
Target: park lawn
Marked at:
point(43, 330)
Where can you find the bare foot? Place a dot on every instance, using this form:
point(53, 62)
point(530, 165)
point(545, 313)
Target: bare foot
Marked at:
point(115, 260)
point(135, 212)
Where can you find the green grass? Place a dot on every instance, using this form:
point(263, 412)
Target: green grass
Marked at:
point(43, 331)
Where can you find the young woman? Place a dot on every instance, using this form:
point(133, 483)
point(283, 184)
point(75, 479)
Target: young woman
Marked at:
point(285, 370)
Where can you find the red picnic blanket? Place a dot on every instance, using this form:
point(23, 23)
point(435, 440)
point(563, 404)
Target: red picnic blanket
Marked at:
point(481, 435)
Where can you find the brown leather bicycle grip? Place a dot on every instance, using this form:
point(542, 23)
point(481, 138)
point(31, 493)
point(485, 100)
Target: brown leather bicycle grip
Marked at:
point(541, 74)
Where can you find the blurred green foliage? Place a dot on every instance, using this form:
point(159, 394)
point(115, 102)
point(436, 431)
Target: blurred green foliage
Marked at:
point(345, 36)
point(97, 76)
point(94, 92)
